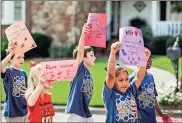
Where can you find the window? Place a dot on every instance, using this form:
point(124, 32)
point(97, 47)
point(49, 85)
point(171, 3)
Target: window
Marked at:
point(163, 10)
point(17, 11)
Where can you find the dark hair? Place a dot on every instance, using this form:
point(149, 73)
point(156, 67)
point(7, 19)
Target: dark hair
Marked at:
point(86, 50)
point(118, 69)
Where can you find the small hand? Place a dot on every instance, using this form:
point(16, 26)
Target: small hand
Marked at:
point(164, 115)
point(148, 54)
point(42, 78)
point(85, 28)
point(115, 47)
point(11, 47)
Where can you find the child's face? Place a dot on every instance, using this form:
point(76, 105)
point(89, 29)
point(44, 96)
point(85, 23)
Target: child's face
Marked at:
point(90, 59)
point(122, 83)
point(17, 60)
point(149, 63)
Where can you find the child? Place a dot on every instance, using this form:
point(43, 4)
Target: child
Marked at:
point(118, 94)
point(81, 87)
point(15, 83)
point(40, 108)
point(146, 99)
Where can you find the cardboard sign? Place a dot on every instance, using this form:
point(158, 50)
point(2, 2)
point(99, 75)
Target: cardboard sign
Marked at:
point(19, 36)
point(60, 70)
point(97, 35)
point(132, 50)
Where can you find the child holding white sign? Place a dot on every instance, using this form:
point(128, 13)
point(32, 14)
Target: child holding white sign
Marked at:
point(40, 108)
point(15, 84)
point(118, 94)
point(81, 87)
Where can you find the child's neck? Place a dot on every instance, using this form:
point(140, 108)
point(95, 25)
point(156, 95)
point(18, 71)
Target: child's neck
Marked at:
point(15, 67)
point(87, 66)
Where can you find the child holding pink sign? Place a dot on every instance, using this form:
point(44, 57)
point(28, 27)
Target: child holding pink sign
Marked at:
point(81, 87)
point(15, 84)
point(40, 107)
point(118, 94)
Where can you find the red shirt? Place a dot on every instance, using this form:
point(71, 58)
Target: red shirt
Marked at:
point(42, 111)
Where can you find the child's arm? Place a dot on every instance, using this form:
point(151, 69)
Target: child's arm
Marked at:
point(81, 44)
point(159, 112)
point(32, 98)
point(5, 62)
point(141, 71)
point(7, 59)
point(111, 67)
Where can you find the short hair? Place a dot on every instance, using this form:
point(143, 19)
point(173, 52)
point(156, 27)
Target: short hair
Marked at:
point(86, 50)
point(118, 69)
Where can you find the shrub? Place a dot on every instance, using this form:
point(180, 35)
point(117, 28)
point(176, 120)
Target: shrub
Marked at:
point(4, 45)
point(62, 51)
point(147, 36)
point(137, 22)
point(43, 44)
point(171, 99)
point(158, 45)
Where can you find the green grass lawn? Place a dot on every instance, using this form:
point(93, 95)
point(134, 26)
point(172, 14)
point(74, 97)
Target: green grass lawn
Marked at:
point(165, 63)
point(61, 89)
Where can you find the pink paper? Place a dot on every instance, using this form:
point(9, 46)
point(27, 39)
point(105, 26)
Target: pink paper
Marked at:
point(97, 35)
point(169, 120)
point(60, 70)
point(19, 35)
point(132, 51)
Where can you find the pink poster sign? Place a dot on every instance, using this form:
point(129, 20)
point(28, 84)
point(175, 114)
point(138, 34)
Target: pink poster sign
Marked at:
point(60, 70)
point(97, 35)
point(19, 36)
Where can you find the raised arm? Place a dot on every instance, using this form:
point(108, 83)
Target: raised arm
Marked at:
point(141, 71)
point(81, 44)
point(7, 59)
point(111, 67)
point(32, 97)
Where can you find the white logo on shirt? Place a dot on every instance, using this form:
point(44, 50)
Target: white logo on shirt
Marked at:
point(87, 86)
point(146, 97)
point(126, 109)
point(18, 84)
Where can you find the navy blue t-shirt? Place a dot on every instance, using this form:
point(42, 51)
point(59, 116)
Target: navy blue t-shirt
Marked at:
point(15, 104)
point(81, 89)
point(120, 107)
point(146, 98)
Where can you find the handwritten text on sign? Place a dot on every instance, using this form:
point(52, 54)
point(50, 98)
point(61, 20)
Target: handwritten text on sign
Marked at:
point(132, 51)
point(60, 70)
point(97, 35)
point(19, 36)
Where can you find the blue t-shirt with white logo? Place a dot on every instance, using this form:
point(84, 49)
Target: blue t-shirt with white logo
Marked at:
point(121, 107)
point(81, 89)
point(14, 81)
point(146, 98)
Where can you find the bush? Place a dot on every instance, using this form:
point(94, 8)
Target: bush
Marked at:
point(43, 44)
point(158, 45)
point(171, 41)
point(171, 99)
point(62, 51)
point(147, 36)
point(4, 45)
point(137, 22)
